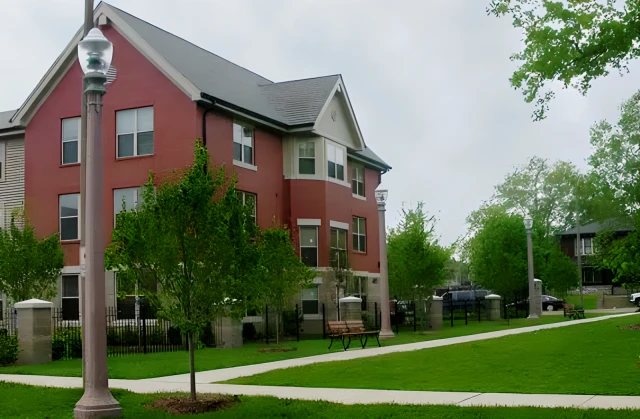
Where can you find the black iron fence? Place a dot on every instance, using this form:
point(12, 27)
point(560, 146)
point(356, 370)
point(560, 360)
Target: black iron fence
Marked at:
point(8, 320)
point(458, 312)
point(270, 325)
point(67, 336)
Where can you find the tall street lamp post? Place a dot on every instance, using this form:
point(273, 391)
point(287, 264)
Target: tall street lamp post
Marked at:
point(385, 329)
point(95, 53)
point(528, 224)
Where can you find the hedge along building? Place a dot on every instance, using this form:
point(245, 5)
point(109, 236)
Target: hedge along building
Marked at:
point(295, 147)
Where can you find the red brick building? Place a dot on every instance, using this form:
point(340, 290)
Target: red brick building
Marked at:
point(295, 147)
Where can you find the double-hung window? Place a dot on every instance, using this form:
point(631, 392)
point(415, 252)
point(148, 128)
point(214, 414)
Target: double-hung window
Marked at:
point(307, 158)
point(359, 229)
point(587, 246)
point(338, 248)
point(69, 216)
point(70, 140)
point(70, 297)
point(250, 200)
point(126, 199)
point(135, 132)
point(243, 144)
point(357, 182)
point(335, 162)
point(310, 301)
point(309, 245)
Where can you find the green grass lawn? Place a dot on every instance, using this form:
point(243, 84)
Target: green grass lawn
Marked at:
point(591, 358)
point(172, 363)
point(590, 301)
point(20, 401)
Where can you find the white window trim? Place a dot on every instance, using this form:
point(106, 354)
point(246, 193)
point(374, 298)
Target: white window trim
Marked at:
point(3, 161)
point(339, 182)
point(314, 158)
point(336, 147)
point(244, 203)
point(317, 246)
point(362, 198)
point(245, 165)
point(60, 217)
point(62, 297)
point(339, 225)
point(346, 239)
point(354, 179)
point(582, 247)
point(136, 198)
point(312, 316)
point(359, 233)
point(242, 163)
point(135, 133)
point(68, 141)
point(309, 222)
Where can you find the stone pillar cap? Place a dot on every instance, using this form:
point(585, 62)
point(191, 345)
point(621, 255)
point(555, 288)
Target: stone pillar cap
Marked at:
point(537, 280)
point(436, 298)
point(350, 299)
point(492, 297)
point(33, 303)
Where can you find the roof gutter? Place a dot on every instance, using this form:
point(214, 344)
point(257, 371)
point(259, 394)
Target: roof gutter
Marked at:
point(365, 160)
point(229, 107)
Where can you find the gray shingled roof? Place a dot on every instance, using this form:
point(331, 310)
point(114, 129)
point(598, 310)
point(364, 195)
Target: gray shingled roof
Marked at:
point(291, 103)
point(596, 227)
point(4, 120)
point(300, 101)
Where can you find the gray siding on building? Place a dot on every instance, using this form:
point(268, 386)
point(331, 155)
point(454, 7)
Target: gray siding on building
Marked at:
point(12, 186)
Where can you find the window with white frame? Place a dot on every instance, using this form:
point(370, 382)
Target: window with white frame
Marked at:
point(307, 158)
point(70, 216)
point(70, 297)
point(335, 162)
point(338, 242)
point(242, 144)
point(135, 132)
point(126, 199)
point(309, 245)
point(359, 230)
point(357, 181)
point(310, 300)
point(70, 140)
point(587, 246)
point(3, 160)
point(249, 199)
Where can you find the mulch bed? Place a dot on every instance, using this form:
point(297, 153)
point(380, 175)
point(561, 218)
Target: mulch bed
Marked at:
point(630, 327)
point(205, 403)
point(269, 350)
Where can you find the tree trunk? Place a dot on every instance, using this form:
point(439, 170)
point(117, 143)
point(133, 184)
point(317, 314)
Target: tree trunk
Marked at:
point(192, 368)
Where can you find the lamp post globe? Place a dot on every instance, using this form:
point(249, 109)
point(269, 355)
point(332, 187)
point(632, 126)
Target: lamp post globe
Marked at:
point(95, 52)
point(528, 222)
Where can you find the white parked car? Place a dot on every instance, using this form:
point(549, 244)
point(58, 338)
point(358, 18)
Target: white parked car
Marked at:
point(635, 298)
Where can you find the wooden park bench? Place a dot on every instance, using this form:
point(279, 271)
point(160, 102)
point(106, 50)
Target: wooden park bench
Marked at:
point(348, 330)
point(571, 312)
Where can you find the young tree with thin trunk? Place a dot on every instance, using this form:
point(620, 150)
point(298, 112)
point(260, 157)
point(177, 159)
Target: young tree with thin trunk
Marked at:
point(285, 274)
point(195, 239)
point(29, 267)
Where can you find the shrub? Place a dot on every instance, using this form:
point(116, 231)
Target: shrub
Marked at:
point(248, 331)
point(174, 336)
point(66, 344)
point(155, 336)
point(8, 348)
point(206, 337)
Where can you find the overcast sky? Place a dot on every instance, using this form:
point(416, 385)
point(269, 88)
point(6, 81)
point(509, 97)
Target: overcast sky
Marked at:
point(428, 80)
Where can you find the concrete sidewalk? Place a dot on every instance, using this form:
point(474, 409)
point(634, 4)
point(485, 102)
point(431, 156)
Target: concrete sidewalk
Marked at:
point(355, 396)
point(225, 374)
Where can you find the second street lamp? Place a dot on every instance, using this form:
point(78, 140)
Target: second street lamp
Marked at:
point(528, 224)
point(95, 53)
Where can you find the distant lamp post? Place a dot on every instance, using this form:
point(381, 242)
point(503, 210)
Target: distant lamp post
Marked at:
point(385, 329)
point(528, 224)
point(95, 53)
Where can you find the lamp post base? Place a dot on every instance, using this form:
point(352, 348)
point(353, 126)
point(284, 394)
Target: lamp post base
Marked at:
point(98, 404)
point(533, 316)
point(386, 334)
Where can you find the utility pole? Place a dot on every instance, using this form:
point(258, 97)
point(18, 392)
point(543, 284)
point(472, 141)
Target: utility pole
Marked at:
point(579, 254)
point(87, 26)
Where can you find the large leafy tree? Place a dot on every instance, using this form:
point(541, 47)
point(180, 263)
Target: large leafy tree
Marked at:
point(498, 254)
point(540, 189)
point(29, 266)
point(573, 42)
point(417, 262)
point(285, 274)
point(194, 239)
point(559, 273)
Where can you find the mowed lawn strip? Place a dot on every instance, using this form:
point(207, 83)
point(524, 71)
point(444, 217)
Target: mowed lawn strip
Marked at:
point(22, 402)
point(173, 363)
point(591, 358)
